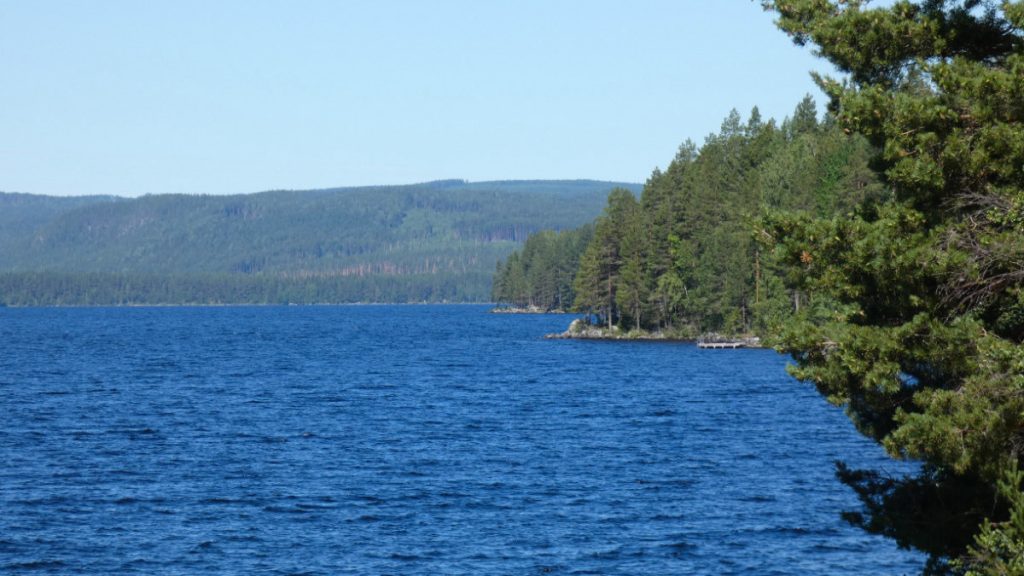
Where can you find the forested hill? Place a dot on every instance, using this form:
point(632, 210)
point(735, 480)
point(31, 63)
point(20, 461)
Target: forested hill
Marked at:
point(424, 242)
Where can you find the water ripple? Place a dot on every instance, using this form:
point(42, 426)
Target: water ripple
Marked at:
point(409, 440)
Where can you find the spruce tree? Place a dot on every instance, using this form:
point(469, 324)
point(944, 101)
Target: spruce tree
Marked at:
point(634, 277)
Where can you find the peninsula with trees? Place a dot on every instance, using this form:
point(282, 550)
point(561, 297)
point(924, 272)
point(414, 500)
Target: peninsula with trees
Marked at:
point(882, 247)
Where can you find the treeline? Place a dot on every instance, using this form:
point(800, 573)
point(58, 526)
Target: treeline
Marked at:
point(541, 274)
point(684, 256)
point(114, 289)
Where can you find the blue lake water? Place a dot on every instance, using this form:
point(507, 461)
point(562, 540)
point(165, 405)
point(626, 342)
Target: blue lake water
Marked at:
point(410, 440)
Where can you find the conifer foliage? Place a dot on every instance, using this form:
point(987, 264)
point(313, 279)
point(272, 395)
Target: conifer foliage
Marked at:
point(683, 257)
point(917, 315)
point(541, 275)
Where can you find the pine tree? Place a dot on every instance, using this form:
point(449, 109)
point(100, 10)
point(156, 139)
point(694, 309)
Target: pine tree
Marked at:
point(634, 279)
point(922, 293)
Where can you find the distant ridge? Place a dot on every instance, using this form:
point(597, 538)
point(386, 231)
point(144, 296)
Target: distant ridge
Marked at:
point(558, 187)
point(432, 241)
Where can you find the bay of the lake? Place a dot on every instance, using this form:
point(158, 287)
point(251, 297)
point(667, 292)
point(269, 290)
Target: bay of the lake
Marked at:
point(411, 440)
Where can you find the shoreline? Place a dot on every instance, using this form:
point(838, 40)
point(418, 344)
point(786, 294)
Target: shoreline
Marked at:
point(624, 337)
point(243, 305)
point(526, 310)
point(578, 330)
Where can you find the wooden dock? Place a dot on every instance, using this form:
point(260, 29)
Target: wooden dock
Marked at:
point(720, 345)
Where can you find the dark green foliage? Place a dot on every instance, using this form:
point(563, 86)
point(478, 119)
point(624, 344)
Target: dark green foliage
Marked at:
point(427, 242)
point(999, 548)
point(685, 257)
point(597, 280)
point(923, 512)
point(631, 297)
point(124, 289)
point(540, 276)
point(916, 323)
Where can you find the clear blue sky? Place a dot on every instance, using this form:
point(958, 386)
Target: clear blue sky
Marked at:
point(132, 97)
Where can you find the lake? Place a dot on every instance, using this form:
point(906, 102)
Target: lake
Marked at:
point(411, 440)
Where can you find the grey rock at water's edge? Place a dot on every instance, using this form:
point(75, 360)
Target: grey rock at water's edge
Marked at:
point(713, 341)
point(524, 310)
point(579, 329)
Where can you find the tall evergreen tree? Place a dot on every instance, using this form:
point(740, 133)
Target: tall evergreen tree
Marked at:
point(598, 277)
point(921, 296)
point(634, 278)
point(684, 259)
point(541, 275)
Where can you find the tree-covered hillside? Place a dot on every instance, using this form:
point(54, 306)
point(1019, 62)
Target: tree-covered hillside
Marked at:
point(434, 241)
point(23, 214)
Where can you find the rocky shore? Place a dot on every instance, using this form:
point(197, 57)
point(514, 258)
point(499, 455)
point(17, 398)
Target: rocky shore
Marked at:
point(525, 310)
point(579, 329)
